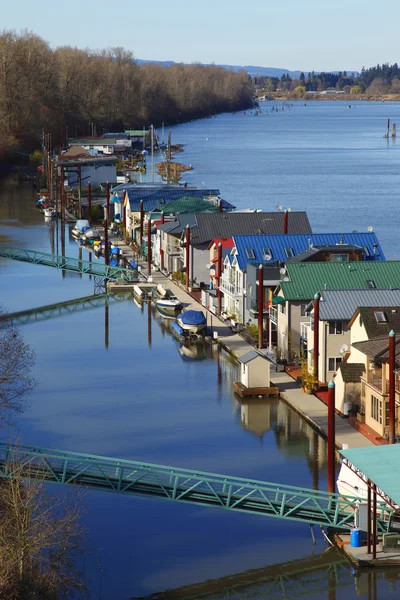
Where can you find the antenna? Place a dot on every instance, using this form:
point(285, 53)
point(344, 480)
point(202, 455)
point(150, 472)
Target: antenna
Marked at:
point(370, 228)
point(278, 207)
point(343, 349)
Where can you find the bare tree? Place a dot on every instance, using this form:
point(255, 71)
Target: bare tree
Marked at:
point(16, 362)
point(40, 536)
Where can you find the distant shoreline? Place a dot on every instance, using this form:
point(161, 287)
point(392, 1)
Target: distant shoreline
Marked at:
point(284, 97)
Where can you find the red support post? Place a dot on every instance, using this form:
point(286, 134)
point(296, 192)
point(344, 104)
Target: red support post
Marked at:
point(149, 246)
point(219, 272)
point(392, 398)
point(89, 197)
point(162, 258)
point(62, 191)
point(187, 249)
point(317, 298)
point(331, 436)
point(374, 540)
point(106, 248)
point(260, 303)
point(369, 517)
point(285, 221)
point(141, 223)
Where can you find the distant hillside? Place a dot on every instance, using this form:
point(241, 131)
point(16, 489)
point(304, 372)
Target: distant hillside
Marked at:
point(250, 69)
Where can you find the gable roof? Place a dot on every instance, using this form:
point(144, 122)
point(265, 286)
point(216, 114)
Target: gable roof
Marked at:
point(160, 196)
point(75, 152)
point(342, 304)
point(249, 356)
point(377, 348)
point(351, 372)
point(188, 204)
point(178, 226)
point(306, 244)
point(307, 278)
point(226, 225)
point(226, 242)
point(375, 329)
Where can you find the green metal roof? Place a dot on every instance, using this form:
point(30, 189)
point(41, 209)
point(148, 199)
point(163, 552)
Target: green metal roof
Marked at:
point(381, 464)
point(136, 132)
point(308, 278)
point(188, 205)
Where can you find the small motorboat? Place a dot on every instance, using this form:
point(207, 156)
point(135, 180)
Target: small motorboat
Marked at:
point(50, 212)
point(192, 321)
point(168, 305)
point(80, 227)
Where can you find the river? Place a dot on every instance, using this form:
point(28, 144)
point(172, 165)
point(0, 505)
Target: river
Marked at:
point(125, 390)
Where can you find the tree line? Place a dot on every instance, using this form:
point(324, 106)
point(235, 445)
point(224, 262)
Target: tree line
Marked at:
point(381, 79)
point(51, 89)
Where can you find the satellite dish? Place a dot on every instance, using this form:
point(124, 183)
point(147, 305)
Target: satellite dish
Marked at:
point(267, 257)
point(370, 228)
point(278, 207)
point(343, 349)
point(282, 271)
point(289, 210)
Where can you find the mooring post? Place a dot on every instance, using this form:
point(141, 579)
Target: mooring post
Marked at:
point(331, 436)
point(260, 303)
point(285, 221)
point(187, 249)
point(374, 521)
point(141, 223)
point(89, 197)
point(392, 398)
point(368, 517)
point(107, 215)
point(149, 246)
point(219, 267)
point(317, 298)
point(62, 193)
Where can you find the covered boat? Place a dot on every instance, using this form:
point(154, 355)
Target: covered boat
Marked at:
point(80, 227)
point(192, 321)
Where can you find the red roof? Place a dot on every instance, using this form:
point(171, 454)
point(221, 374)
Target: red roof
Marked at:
point(226, 242)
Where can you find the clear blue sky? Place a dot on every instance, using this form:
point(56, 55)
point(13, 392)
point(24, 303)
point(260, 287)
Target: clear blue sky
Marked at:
point(292, 34)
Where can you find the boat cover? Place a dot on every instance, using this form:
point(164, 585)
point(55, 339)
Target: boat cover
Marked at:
point(192, 317)
point(82, 225)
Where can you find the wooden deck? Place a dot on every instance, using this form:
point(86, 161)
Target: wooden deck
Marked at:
point(244, 391)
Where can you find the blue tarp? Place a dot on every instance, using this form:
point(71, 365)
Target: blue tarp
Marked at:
point(133, 265)
point(82, 225)
point(193, 317)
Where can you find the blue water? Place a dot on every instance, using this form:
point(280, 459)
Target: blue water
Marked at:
point(129, 393)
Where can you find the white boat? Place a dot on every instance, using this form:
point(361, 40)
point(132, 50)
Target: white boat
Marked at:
point(167, 304)
point(50, 212)
point(80, 227)
point(192, 321)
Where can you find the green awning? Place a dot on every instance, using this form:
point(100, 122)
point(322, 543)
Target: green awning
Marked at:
point(381, 464)
point(278, 300)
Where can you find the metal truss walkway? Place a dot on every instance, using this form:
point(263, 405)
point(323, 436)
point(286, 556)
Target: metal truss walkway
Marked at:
point(66, 263)
point(186, 486)
point(292, 579)
point(61, 309)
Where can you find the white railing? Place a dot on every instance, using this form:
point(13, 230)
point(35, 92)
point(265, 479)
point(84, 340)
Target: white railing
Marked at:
point(304, 327)
point(230, 288)
point(273, 314)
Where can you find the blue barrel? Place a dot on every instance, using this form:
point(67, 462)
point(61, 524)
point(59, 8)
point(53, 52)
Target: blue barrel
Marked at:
point(356, 538)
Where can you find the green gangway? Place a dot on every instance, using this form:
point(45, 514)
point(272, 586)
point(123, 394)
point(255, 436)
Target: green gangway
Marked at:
point(185, 486)
point(66, 263)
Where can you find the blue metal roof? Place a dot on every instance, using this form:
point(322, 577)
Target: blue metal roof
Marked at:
point(298, 243)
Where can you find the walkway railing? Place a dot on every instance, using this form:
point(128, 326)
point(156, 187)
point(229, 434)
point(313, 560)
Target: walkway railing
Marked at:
point(66, 263)
point(184, 485)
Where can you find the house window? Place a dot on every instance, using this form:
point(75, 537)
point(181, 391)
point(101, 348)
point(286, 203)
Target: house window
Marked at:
point(267, 252)
point(370, 284)
point(377, 410)
point(339, 257)
point(333, 363)
point(250, 253)
point(249, 289)
point(335, 328)
point(289, 252)
point(303, 308)
point(380, 316)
